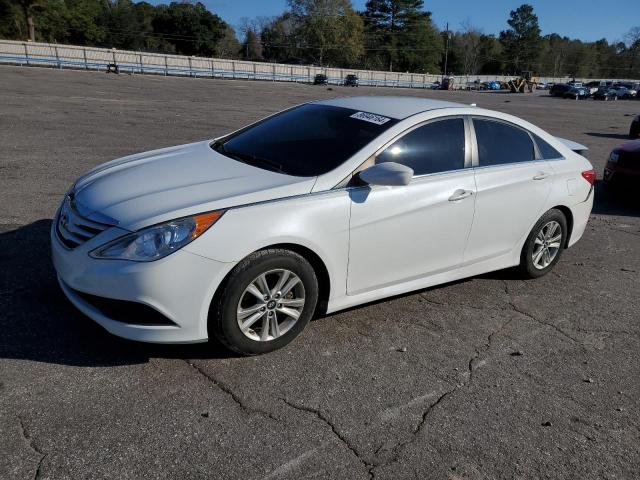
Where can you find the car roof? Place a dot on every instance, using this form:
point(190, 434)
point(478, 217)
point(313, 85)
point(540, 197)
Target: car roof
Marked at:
point(394, 107)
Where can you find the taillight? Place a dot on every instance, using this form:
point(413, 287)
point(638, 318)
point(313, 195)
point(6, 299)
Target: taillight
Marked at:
point(589, 176)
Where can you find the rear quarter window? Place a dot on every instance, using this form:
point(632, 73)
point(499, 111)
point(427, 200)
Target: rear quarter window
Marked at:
point(547, 152)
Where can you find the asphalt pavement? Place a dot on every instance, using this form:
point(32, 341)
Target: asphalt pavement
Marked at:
point(487, 378)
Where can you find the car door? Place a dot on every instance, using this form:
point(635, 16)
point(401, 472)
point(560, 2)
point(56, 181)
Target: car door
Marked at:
point(406, 232)
point(512, 183)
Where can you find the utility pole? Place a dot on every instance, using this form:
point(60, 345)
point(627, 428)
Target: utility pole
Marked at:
point(446, 50)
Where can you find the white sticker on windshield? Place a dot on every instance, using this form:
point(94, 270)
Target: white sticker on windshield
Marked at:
point(371, 117)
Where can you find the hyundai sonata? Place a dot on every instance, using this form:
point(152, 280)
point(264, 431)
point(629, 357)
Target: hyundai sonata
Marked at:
point(315, 209)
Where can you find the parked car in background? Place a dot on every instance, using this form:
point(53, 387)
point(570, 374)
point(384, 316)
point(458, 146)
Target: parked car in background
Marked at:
point(605, 93)
point(622, 93)
point(634, 129)
point(630, 86)
point(351, 80)
point(330, 204)
point(320, 79)
point(493, 85)
point(623, 163)
point(577, 93)
point(434, 86)
point(543, 86)
point(593, 86)
point(559, 89)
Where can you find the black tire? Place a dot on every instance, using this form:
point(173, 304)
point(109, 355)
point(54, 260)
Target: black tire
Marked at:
point(527, 267)
point(223, 322)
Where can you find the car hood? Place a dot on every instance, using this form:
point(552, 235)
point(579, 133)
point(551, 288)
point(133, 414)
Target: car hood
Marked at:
point(629, 147)
point(151, 187)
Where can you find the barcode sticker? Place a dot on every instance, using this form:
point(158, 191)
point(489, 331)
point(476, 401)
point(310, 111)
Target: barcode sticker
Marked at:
point(371, 117)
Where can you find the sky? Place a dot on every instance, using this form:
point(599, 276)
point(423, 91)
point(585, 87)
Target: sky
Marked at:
point(587, 20)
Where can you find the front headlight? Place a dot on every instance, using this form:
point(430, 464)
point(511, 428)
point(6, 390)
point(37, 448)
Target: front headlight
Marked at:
point(158, 241)
point(613, 157)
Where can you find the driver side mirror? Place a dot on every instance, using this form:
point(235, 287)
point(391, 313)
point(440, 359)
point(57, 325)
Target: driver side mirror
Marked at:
point(386, 173)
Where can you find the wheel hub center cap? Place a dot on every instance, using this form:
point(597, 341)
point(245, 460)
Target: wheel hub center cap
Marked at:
point(271, 304)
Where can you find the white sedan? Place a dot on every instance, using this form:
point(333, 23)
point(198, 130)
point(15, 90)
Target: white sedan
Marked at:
point(315, 209)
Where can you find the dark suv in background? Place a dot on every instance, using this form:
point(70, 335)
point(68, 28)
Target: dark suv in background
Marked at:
point(559, 89)
point(351, 80)
point(320, 79)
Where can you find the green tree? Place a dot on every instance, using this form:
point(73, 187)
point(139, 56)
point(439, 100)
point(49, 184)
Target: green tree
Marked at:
point(12, 24)
point(327, 32)
point(190, 28)
point(522, 41)
point(228, 46)
point(278, 42)
point(400, 35)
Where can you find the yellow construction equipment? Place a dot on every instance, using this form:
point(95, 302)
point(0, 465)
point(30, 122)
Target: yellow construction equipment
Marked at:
point(527, 82)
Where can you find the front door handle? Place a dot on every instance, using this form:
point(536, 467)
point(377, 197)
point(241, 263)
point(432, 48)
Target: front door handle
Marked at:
point(541, 175)
point(460, 194)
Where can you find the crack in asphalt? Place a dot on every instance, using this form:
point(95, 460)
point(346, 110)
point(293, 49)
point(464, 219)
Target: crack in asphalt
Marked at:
point(515, 308)
point(339, 435)
point(472, 367)
point(230, 393)
point(27, 437)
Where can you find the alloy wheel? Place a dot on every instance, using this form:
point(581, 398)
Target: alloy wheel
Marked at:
point(546, 245)
point(270, 305)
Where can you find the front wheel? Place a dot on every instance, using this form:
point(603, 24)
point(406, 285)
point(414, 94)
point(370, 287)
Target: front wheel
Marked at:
point(267, 300)
point(543, 247)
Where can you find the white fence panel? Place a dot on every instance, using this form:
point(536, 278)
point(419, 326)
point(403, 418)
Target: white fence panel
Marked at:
point(70, 56)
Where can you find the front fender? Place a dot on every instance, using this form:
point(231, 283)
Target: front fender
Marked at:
point(318, 222)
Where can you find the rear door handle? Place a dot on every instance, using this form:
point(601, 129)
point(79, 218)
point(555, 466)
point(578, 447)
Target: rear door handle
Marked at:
point(460, 194)
point(541, 175)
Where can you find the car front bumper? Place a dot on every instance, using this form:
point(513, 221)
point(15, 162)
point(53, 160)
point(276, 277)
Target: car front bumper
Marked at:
point(179, 286)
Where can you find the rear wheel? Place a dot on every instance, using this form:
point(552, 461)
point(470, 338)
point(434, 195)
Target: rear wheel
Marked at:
point(266, 302)
point(543, 247)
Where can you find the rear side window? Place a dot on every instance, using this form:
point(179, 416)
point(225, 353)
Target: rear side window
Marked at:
point(546, 151)
point(435, 147)
point(499, 143)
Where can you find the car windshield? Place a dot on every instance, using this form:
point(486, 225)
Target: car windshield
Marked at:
point(305, 141)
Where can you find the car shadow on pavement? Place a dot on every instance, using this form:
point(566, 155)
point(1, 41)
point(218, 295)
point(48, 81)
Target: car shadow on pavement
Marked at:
point(38, 323)
point(617, 136)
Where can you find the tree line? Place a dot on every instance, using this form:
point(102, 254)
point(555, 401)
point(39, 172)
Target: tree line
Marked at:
point(392, 35)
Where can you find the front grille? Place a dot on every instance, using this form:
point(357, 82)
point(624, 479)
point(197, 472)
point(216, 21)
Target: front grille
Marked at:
point(125, 311)
point(73, 229)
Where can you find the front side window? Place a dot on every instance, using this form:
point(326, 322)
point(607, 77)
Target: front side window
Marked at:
point(305, 141)
point(500, 143)
point(432, 148)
